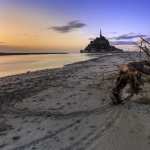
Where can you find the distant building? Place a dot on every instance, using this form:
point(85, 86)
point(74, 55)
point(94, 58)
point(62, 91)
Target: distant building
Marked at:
point(99, 45)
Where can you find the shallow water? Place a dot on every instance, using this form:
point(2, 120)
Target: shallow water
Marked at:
point(11, 65)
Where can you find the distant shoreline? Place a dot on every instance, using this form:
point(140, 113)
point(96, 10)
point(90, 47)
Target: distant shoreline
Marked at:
point(8, 54)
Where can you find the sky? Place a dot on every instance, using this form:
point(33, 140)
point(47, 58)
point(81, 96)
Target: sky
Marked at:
point(68, 25)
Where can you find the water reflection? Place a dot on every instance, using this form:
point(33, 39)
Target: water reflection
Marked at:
point(11, 65)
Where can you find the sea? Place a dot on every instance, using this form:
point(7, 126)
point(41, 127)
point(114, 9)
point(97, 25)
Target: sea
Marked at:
point(17, 64)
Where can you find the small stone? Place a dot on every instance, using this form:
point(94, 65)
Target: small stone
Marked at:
point(78, 121)
point(71, 138)
point(16, 138)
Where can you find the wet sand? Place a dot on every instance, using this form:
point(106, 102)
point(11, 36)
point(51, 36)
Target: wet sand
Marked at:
point(69, 109)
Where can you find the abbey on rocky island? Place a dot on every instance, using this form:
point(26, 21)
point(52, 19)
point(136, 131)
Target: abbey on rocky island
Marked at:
point(100, 45)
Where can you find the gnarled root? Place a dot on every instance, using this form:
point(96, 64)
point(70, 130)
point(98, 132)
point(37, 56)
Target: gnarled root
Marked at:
point(126, 76)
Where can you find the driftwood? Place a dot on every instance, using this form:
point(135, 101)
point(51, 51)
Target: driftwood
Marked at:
point(131, 74)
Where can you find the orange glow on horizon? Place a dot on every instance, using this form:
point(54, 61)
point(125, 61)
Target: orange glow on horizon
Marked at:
point(29, 30)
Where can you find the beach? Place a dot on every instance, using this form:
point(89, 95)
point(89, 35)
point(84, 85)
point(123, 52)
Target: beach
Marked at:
point(70, 108)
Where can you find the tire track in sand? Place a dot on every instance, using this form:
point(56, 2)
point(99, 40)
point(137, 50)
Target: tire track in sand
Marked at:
point(81, 114)
point(46, 137)
point(89, 139)
point(59, 115)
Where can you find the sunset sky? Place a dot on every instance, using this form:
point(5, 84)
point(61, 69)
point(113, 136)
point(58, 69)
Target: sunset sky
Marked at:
point(67, 25)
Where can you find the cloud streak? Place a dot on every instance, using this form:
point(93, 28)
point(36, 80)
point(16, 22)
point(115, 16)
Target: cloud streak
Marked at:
point(70, 26)
point(128, 36)
point(124, 43)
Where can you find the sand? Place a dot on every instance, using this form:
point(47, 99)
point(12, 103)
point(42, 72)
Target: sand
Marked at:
point(70, 109)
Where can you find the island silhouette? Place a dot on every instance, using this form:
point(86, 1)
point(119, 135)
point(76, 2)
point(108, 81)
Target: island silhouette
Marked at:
point(99, 45)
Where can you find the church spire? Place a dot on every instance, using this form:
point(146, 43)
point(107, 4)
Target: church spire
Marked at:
point(100, 33)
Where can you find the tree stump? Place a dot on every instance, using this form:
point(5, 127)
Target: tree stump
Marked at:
point(130, 74)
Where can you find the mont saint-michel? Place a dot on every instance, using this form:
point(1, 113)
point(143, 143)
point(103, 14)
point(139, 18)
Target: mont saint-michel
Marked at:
point(100, 45)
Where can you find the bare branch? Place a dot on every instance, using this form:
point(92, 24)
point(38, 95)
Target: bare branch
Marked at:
point(145, 50)
point(144, 40)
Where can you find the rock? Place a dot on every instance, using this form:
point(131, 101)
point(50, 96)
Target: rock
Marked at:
point(16, 138)
point(4, 127)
